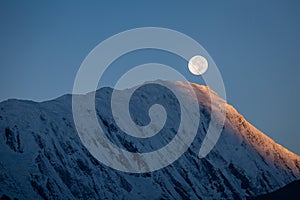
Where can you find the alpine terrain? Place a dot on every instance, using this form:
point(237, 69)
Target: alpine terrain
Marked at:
point(42, 156)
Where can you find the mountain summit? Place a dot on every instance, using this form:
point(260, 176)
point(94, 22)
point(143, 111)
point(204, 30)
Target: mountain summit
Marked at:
point(42, 156)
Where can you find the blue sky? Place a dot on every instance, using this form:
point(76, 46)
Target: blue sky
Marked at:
point(255, 44)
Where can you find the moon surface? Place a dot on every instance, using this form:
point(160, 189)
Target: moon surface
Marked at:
point(198, 65)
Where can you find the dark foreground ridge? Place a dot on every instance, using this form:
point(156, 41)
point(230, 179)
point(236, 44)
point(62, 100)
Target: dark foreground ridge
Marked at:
point(290, 191)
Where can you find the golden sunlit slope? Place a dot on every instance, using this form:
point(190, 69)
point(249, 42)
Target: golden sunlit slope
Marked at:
point(268, 149)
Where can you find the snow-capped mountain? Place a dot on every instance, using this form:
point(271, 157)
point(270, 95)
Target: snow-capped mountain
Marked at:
point(42, 156)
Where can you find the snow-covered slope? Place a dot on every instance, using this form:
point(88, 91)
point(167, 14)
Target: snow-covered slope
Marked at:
point(42, 156)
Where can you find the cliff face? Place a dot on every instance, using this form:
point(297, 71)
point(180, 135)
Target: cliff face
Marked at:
point(42, 156)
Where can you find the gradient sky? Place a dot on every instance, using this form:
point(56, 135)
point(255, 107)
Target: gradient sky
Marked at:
point(255, 44)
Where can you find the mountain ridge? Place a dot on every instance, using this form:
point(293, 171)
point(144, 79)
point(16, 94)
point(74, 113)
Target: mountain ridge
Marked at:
point(40, 138)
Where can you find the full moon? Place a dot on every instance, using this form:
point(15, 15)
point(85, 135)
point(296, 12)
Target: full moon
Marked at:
point(198, 65)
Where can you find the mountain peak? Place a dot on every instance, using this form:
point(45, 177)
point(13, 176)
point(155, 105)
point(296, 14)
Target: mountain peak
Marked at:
point(42, 156)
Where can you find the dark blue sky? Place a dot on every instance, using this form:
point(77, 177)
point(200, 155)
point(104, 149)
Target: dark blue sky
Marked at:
point(255, 44)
